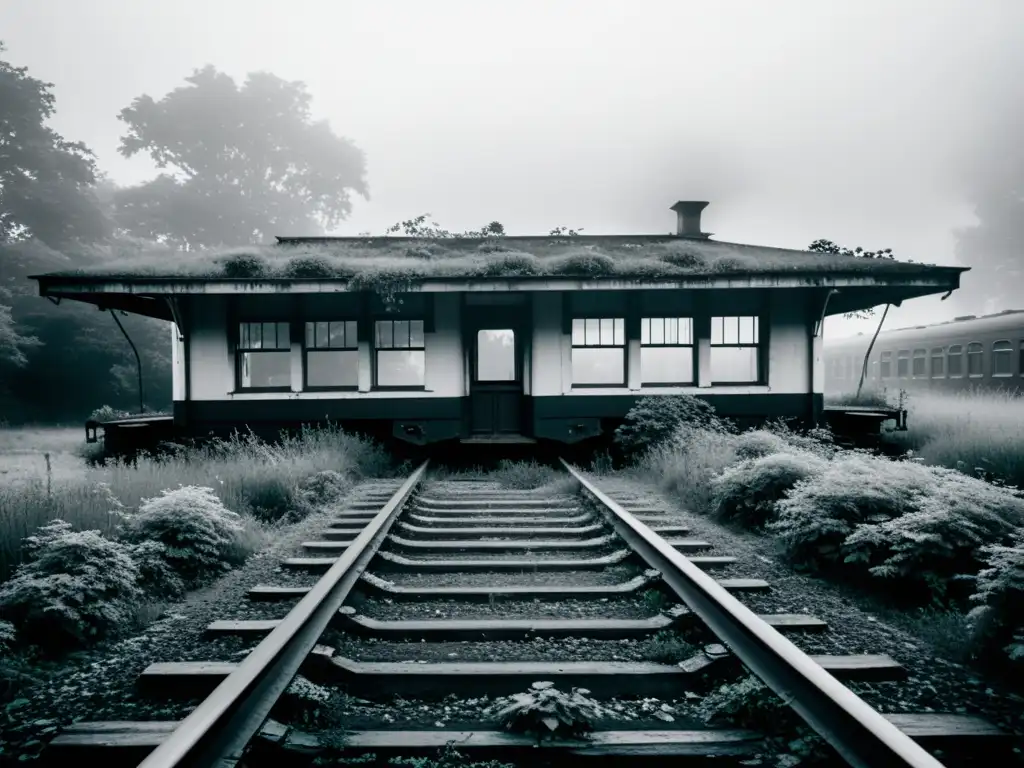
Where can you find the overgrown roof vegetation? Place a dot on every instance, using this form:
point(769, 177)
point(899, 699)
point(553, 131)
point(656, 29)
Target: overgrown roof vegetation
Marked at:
point(487, 255)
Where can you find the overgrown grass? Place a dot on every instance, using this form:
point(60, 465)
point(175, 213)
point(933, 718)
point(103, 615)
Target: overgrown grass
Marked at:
point(259, 481)
point(516, 475)
point(977, 432)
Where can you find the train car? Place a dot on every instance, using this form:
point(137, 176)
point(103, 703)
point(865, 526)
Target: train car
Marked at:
point(967, 353)
point(501, 339)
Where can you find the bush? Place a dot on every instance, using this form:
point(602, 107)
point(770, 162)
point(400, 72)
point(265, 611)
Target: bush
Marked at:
point(747, 492)
point(997, 623)
point(326, 487)
point(79, 586)
point(546, 711)
point(920, 526)
point(157, 576)
point(756, 443)
point(198, 532)
point(655, 419)
point(685, 466)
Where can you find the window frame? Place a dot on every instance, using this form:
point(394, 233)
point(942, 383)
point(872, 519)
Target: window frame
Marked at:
point(1008, 351)
point(623, 348)
point(980, 351)
point(692, 346)
point(885, 364)
point(306, 350)
point(914, 358)
point(238, 350)
point(759, 346)
point(901, 356)
point(375, 350)
point(933, 357)
point(957, 355)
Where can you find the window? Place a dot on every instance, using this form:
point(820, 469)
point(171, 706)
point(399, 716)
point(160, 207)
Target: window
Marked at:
point(955, 361)
point(496, 355)
point(874, 370)
point(734, 349)
point(1002, 358)
point(399, 354)
point(598, 351)
point(920, 364)
point(1020, 359)
point(263, 356)
point(666, 350)
point(975, 359)
point(938, 363)
point(331, 355)
point(903, 363)
point(886, 364)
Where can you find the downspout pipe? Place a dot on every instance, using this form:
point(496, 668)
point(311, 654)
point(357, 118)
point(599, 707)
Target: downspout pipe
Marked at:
point(818, 328)
point(186, 367)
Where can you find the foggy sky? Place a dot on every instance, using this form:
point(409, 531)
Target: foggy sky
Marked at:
point(852, 121)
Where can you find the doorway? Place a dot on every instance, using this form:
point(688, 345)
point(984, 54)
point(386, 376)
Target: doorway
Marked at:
point(495, 344)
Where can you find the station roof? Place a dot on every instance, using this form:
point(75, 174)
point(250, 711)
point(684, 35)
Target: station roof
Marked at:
point(626, 262)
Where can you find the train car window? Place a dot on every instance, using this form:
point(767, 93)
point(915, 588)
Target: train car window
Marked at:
point(330, 355)
point(263, 356)
point(1002, 358)
point(1020, 359)
point(920, 364)
point(975, 359)
point(955, 361)
point(938, 363)
point(874, 370)
point(735, 350)
point(599, 351)
point(885, 364)
point(400, 354)
point(666, 351)
point(903, 363)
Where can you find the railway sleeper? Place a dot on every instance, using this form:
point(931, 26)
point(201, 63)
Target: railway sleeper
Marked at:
point(504, 520)
point(454, 630)
point(449, 533)
point(605, 679)
point(498, 545)
point(393, 562)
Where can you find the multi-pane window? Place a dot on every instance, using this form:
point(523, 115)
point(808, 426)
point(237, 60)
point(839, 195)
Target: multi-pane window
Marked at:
point(598, 351)
point(399, 353)
point(919, 366)
point(886, 364)
point(734, 349)
point(666, 350)
point(975, 359)
point(938, 363)
point(1002, 358)
point(332, 355)
point(263, 356)
point(903, 363)
point(955, 361)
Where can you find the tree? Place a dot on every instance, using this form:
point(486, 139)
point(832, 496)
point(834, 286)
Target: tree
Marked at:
point(424, 227)
point(45, 180)
point(245, 164)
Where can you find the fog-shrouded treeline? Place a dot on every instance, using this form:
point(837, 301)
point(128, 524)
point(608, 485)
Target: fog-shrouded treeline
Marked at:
point(239, 164)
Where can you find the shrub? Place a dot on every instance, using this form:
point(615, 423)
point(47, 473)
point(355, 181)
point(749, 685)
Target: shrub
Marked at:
point(685, 466)
point(655, 419)
point(819, 441)
point(198, 532)
point(756, 443)
point(997, 623)
point(546, 711)
point(325, 487)
point(106, 413)
point(920, 526)
point(157, 576)
point(79, 586)
point(524, 475)
point(747, 492)
point(244, 265)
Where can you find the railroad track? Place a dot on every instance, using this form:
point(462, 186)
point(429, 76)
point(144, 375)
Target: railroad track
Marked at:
point(476, 549)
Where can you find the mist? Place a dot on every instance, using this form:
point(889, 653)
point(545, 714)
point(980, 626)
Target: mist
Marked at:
point(867, 123)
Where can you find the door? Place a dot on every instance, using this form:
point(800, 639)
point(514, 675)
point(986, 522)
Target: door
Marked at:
point(496, 373)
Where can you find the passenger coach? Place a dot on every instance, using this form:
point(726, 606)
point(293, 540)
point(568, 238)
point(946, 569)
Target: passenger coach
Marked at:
point(980, 353)
point(499, 339)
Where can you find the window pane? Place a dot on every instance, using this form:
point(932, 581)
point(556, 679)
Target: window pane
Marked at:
point(385, 334)
point(598, 366)
point(336, 335)
point(620, 331)
point(310, 335)
point(607, 331)
point(579, 332)
point(1002, 359)
point(903, 363)
point(920, 362)
point(733, 364)
point(593, 331)
point(938, 363)
point(645, 330)
point(266, 369)
point(402, 334)
point(716, 329)
point(351, 335)
point(658, 330)
point(243, 335)
point(666, 365)
point(269, 335)
point(416, 335)
point(401, 368)
point(284, 333)
point(886, 366)
point(332, 369)
point(322, 335)
point(974, 359)
point(496, 355)
point(672, 330)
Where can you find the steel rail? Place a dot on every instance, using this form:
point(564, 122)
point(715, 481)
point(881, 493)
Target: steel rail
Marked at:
point(217, 731)
point(862, 736)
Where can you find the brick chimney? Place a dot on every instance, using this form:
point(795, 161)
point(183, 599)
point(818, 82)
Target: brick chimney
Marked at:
point(688, 218)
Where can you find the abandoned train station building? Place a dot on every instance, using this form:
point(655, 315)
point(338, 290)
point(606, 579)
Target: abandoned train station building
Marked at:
point(495, 338)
